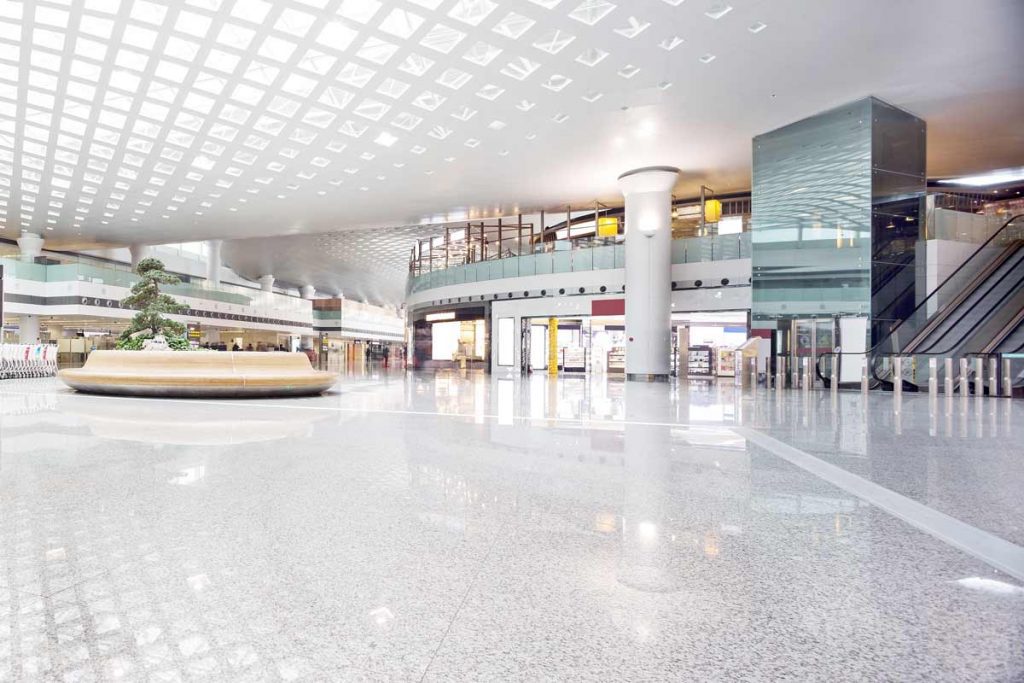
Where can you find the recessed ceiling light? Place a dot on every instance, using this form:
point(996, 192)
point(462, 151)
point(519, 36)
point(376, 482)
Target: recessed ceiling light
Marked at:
point(718, 11)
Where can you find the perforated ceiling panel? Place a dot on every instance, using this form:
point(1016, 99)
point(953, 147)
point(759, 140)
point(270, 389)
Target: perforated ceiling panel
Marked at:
point(169, 120)
point(152, 111)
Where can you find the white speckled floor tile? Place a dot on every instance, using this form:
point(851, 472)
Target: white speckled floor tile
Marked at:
point(479, 528)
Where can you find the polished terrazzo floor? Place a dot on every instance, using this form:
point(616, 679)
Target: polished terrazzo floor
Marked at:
point(438, 527)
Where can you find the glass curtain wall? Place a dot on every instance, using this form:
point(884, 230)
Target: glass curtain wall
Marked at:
point(836, 209)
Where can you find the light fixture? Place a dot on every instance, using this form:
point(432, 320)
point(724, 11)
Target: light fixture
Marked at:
point(999, 177)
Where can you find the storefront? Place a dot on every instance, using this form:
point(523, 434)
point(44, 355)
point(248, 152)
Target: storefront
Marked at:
point(703, 343)
point(451, 337)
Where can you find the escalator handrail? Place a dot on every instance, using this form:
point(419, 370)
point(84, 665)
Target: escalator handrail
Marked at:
point(947, 351)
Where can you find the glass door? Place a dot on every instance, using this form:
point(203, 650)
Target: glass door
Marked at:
point(811, 337)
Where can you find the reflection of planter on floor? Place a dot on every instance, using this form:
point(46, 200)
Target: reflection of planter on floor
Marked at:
point(189, 424)
point(199, 374)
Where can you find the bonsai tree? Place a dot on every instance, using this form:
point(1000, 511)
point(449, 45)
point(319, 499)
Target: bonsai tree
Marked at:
point(151, 304)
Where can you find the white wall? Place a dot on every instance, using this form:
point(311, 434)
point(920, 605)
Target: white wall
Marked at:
point(737, 271)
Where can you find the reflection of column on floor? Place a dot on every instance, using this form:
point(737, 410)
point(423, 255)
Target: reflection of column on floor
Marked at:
point(646, 549)
point(552, 407)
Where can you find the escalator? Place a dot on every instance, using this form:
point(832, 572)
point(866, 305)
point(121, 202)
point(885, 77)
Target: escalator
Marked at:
point(1013, 342)
point(978, 314)
point(977, 310)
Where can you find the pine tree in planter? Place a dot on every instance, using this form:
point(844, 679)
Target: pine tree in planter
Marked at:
point(150, 303)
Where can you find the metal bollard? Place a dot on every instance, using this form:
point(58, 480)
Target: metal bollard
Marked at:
point(979, 376)
point(993, 377)
point(933, 377)
point(796, 374)
point(1007, 379)
point(753, 373)
point(864, 384)
point(948, 380)
point(897, 377)
point(965, 383)
point(834, 384)
point(807, 374)
point(780, 373)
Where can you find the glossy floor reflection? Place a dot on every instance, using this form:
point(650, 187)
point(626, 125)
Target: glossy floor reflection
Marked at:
point(439, 527)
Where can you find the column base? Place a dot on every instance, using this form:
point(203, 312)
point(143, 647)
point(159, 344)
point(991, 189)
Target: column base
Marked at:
point(645, 377)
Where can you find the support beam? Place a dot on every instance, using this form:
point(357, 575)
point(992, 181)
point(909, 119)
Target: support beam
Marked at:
point(648, 193)
point(213, 262)
point(139, 252)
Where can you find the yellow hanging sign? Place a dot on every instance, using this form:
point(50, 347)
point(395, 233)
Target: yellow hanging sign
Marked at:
point(607, 226)
point(712, 211)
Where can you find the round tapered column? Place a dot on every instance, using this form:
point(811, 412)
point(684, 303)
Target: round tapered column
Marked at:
point(648, 193)
point(139, 252)
point(213, 262)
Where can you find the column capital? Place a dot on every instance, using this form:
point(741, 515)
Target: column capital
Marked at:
point(31, 245)
point(648, 179)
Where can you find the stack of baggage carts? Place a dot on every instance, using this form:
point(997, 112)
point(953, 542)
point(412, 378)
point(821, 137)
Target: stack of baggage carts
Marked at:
point(19, 361)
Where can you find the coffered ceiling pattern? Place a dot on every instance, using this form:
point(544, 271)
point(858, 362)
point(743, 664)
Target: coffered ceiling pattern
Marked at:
point(145, 112)
point(156, 121)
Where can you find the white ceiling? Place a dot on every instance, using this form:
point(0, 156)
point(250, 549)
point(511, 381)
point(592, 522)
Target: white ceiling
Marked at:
point(172, 120)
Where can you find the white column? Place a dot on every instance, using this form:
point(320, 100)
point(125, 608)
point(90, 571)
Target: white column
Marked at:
point(648, 193)
point(267, 283)
point(31, 246)
point(28, 329)
point(139, 252)
point(307, 292)
point(213, 262)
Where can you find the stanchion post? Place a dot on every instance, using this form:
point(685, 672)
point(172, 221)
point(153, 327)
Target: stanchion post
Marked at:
point(979, 376)
point(864, 385)
point(947, 382)
point(993, 377)
point(897, 377)
point(835, 372)
point(780, 373)
point(753, 373)
point(1007, 379)
point(965, 383)
point(933, 377)
point(807, 374)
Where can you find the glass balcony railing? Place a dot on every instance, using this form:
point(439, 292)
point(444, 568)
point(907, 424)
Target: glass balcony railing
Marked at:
point(596, 256)
point(76, 271)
